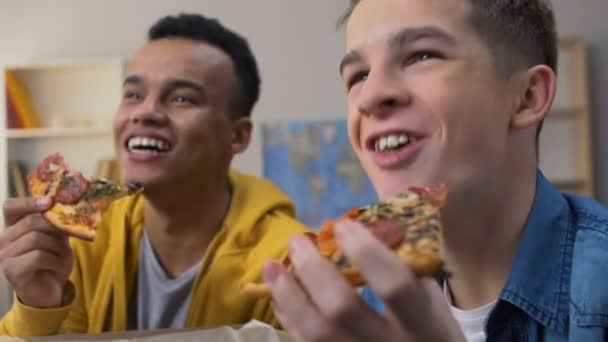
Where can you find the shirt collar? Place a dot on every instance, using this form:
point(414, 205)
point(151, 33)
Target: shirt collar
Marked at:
point(540, 277)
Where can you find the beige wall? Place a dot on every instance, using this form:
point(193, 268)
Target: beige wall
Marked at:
point(295, 41)
point(297, 46)
point(587, 19)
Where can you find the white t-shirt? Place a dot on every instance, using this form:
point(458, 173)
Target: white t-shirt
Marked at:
point(472, 322)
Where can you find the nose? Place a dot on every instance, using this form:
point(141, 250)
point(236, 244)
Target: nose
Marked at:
point(382, 92)
point(149, 112)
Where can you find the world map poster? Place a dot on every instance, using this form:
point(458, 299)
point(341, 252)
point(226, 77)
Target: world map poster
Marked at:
point(313, 162)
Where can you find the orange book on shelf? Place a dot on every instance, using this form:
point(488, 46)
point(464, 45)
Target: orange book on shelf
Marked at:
point(22, 101)
point(12, 117)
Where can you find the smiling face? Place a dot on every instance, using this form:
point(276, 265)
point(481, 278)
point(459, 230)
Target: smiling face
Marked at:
point(426, 102)
point(174, 122)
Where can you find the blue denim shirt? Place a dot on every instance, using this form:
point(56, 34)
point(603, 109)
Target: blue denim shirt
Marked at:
point(558, 286)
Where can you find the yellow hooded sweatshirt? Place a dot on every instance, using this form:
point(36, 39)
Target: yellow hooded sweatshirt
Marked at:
point(256, 229)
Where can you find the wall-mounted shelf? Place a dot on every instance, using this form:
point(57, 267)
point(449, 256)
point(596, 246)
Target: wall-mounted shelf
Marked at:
point(565, 142)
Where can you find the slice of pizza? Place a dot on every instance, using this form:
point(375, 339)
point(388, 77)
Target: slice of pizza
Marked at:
point(78, 202)
point(409, 224)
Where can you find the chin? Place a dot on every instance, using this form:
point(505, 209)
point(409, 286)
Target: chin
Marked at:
point(144, 180)
point(387, 188)
point(391, 185)
point(386, 192)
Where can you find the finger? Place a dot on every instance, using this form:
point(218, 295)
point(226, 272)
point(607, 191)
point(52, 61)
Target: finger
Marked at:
point(21, 269)
point(333, 295)
point(37, 240)
point(31, 222)
point(298, 314)
point(287, 325)
point(439, 308)
point(386, 274)
point(15, 209)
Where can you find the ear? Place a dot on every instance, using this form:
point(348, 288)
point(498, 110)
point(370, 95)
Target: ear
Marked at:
point(241, 134)
point(537, 97)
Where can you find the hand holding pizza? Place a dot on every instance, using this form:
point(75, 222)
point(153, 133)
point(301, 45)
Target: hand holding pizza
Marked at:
point(34, 250)
point(322, 305)
point(35, 256)
point(391, 246)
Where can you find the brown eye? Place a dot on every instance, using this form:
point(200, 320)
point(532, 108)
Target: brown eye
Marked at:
point(182, 99)
point(132, 96)
point(358, 77)
point(422, 56)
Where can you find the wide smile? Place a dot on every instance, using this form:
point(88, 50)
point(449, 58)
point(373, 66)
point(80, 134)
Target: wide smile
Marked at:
point(391, 150)
point(144, 148)
point(392, 142)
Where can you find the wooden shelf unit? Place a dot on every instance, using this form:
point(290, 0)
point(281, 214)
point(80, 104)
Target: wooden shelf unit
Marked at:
point(47, 133)
point(565, 141)
point(75, 102)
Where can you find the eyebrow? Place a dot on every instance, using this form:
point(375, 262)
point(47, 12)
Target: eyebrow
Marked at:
point(351, 57)
point(172, 84)
point(184, 83)
point(403, 38)
point(409, 36)
point(135, 80)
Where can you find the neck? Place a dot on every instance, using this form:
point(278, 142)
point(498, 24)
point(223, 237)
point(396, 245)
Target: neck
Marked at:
point(483, 230)
point(182, 221)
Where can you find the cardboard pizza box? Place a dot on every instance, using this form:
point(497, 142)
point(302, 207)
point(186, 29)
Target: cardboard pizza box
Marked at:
point(253, 331)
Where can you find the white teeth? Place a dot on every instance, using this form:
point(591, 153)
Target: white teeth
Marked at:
point(383, 143)
point(146, 143)
point(392, 141)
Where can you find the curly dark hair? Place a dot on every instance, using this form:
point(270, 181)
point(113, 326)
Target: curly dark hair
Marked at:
point(200, 28)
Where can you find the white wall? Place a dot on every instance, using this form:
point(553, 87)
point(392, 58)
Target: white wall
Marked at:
point(297, 46)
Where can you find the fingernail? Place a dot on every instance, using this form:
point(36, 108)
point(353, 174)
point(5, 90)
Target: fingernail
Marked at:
point(43, 202)
point(342, 229)
point(271, 272)
point(298, 244)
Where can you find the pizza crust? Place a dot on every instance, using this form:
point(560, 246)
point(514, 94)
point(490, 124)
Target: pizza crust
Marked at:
point(37, 187)
point(56, 214)
point(256, 290)
point(79, 231)
point(262, 290)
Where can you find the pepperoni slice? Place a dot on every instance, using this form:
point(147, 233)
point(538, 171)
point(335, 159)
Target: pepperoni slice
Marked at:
point(71, 188)
point(49, 166)
point(387, 231)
